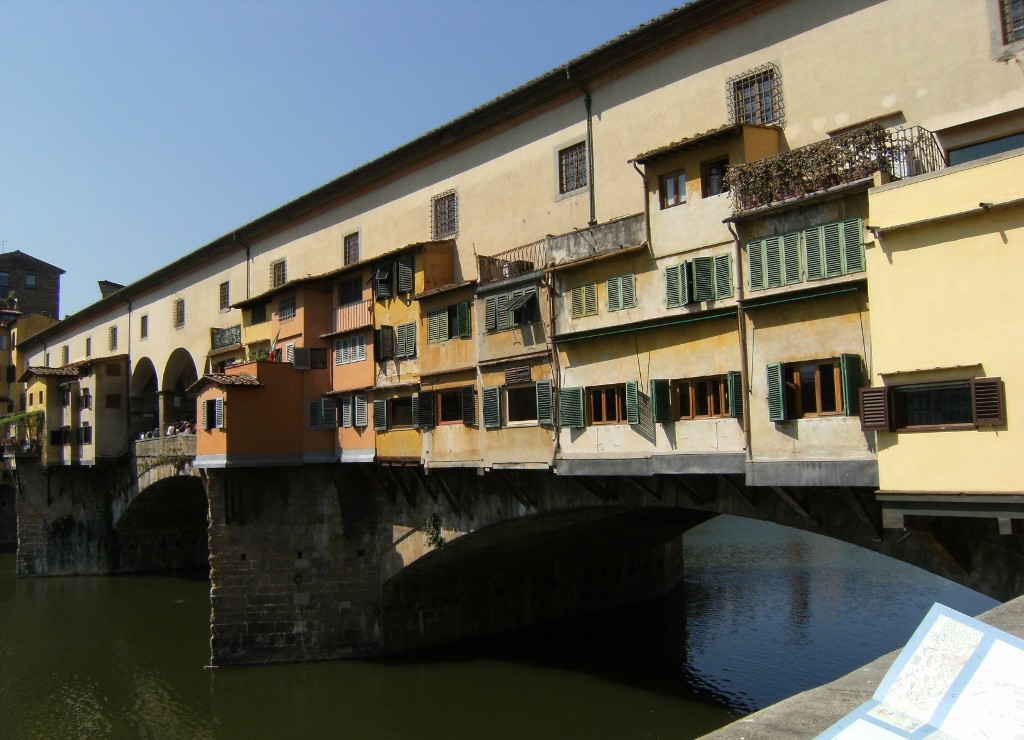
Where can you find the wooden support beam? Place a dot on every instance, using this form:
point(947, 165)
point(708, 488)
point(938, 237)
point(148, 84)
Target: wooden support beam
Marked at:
point(791, 501)
point(741, 492)
point(368, 471)
point(655, 494)
point(521, 496)
point(689, 491)
point(417, 473)
point(409, 496)
point(858, 508)
point(449, 496)
point(594, 488)
point(941, 551)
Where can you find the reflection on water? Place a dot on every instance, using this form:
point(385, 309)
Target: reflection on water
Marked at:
point(765, 612)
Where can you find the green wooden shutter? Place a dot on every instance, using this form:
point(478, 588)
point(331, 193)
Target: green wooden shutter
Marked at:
point(576, 301)
point(812, 249)
point(404, 267)
point(852, 378)
point(874, 410)
point(570, 408)
point(612, 286)
point(628, 292)
point(360, 403)
point(218, 417)
point(632, 403)
point(703, 279)
point(329, 412)
point(434, 325)
point(674, 286)
point(734, 383)
point(490, 314)
point(492, 407)
point(501, 311)
point(853, 245)
point(406, 344)
point(833, 243)
point(380, 415)
point(791, 258)
point(315, 419)
point(468, 405)
point(755, 261)
point(206, 414)
point(590, 299)
point(423, 405)
point(465, 319)
point(661, 401)
point(346, 412)
point(776, 392)
point(545, 403)
point(385, 343)
point(382, 282)
point(773, 261)
point(723, 276)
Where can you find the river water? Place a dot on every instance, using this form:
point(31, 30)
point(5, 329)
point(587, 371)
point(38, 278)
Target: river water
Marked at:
point(764, 612)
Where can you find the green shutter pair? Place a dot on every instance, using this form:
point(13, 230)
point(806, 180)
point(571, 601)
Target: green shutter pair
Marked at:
point(661, 398)
point(774, 261)
point(492, 404)
point(621, 292)
point(584, 300)
point(829, 250)
point(406, 340)
point(423, 408)
point(712, 277)
point(851, 370)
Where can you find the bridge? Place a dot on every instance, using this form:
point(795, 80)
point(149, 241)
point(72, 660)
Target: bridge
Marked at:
point(334, 561)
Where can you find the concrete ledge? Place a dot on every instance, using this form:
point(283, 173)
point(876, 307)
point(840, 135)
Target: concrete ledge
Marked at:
point(853, 473)
point(247, 461)
point(639, 466)
point(361, 455)
point(812, 712)
point(713, 463)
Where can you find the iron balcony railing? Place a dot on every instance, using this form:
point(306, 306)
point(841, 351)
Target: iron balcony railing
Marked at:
point(353, 316)
point(220, 338)
point(840, 160)
point(512, 262)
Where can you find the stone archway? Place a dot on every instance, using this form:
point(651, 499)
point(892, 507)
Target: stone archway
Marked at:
point(145, 401)
point(176, 404)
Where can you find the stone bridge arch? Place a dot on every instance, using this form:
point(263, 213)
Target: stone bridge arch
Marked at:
point(176, 404)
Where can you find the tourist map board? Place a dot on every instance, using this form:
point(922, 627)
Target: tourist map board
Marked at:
point(956, 678)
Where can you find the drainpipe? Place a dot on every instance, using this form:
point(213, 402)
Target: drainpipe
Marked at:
point(590, 145)
point(741, 322)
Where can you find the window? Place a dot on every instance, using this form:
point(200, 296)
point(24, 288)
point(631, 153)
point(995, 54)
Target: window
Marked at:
point(455, 406)
point(352, 249)
point(526, 403)
point(65, 355)
point(88, 346)
point(712, 277)
point(112, 338)
point(972, 152)
point(318, 358)
point(30, 281)
point(677, 285)
point(713, 177)
point(583, 300)
point(621, 292)
point(143, 326)
point(65, 397)
point(521, 403)
point(213, 414)
point(86, 432)
point(401, 412)
point(278, 273)
point(824, 251)
point(225, 296)
point(607, 404)
point(350, 349)
point(956, 404)
point(86, 399)
point(572, 168)
point(814, 388)
point(701, 398)
point(756, 96)
point(444, 215)
point(286, 309)
point(449, 322)
point(322, 413)
point(179, 313)
point(258, 314)
point(350, 291)
point(1011, 13)
point(517, 308)
point(405, 340)
point(353, 411)
point(673, 189)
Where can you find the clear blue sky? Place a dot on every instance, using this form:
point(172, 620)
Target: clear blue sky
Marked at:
point(134, 132)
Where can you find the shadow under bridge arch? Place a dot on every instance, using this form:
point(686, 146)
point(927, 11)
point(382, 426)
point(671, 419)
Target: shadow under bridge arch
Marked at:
point(179, 373)
point(536, 569)
point(164, 527)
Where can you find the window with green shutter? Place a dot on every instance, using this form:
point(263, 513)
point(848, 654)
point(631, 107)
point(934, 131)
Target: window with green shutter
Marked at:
point(734, 385)
point(517, 308)
point(437, 326)
point(852, 371)
point(385, 343)
point(360, 410)
point(571, 413)
point(380, 415)
point(776, 392)
point(621, 292)
point(834, 249)
point(463, 317)
point(712, 277)
point(583, 300)
point(815, 388)
point(404, 268)
point(468, 405)
point(677, 285)
point(382, 279)
point(632, 403)
point(545, 402)
point(423, 404)
point(329, 412)
point(661, 401)
point(492, 407)
point(405, 343)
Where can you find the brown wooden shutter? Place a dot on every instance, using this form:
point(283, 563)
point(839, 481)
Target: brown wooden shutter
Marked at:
point(987, 400)
point(875, 414)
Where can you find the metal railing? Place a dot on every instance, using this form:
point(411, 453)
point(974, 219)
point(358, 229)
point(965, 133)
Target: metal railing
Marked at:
point(225, 337)
point(512, 263)
point(353, 316)
point(840, 160)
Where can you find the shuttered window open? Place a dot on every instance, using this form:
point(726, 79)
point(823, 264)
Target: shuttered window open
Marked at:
point(661, 401)
point(385, 343)
point(468, 405)
point(437, 326)
point(852, 379)
point(423, 407)
point(874, 409)
point(404, 268)
point(464, 317)
point(583, 299)
point(632, 403)
point(987, 400)
point(677, 285)
point(545, 402)
point(621, 292)
point(571, 411)
point(734, 385)
point(329, 412)
point(360, 411)
point(380, 415)
point(347, 417)
point(492, 407)
point(776, 392)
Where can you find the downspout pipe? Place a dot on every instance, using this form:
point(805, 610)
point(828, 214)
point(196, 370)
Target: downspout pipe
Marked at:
point(590, 145)
point(741, 321)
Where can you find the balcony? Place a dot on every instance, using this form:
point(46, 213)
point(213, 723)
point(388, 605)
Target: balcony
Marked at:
point(352, 316)
point(841, 160)
point(512, 262)
point(221, 338)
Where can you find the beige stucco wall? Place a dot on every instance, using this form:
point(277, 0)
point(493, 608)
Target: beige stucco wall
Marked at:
point(943, 297)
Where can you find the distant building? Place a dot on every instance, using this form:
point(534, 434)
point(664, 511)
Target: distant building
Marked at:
point(33, 283)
